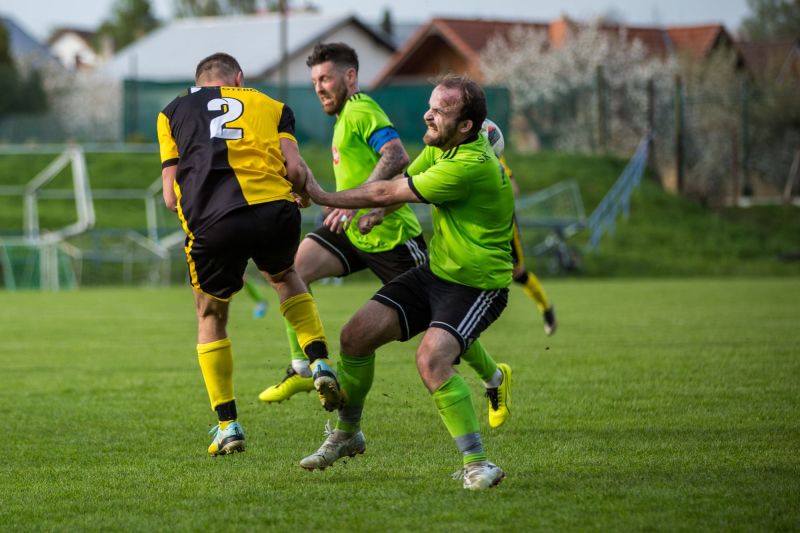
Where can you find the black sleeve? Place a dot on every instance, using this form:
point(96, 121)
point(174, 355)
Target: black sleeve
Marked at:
point(414, 189)
point(286, 123)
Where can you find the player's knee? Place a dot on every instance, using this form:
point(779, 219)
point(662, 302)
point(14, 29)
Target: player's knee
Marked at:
point(426, 363)
point(350, 339)
point(280, 277)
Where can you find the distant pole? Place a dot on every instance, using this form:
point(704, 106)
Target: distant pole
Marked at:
point(132, 126)
point(602, 114)
point(651, 129)
point(747, 186)
point(283, 74)
point(679, 133)
point(735, 170)
point(792, 178)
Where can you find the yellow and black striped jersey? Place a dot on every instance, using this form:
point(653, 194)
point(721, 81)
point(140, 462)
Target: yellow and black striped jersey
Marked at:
point(226, 143)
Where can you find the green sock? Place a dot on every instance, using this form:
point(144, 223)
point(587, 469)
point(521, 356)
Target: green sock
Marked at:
point(253, 291)
point(453, 400)
point(355, 378)
point(480, 361)
point(294, 346)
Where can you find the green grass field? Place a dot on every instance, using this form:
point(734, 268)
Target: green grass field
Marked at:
point(669, 405)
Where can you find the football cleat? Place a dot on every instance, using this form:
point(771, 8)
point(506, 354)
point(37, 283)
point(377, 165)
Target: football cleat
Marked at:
point(337, 444)
point(291, 384)
point(327, 385)
point(480, 475)
point(550, 323)
point(228, 440)
point(500, 398)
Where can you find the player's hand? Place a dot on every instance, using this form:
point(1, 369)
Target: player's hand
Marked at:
point(171, 200)
point(338, 220)
point(302, 200)
point(370, 219)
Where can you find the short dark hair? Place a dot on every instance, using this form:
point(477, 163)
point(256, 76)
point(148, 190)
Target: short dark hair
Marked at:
point(218, 66)
point(473, 99)
point(341, 54)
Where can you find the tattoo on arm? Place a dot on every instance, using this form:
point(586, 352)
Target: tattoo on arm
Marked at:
point(393, 161)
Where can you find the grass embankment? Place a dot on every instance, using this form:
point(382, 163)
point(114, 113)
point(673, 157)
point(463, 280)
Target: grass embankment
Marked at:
point(664, 236)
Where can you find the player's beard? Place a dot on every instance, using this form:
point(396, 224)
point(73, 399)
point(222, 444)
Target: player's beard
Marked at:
point(440, 136)
point(335, 99)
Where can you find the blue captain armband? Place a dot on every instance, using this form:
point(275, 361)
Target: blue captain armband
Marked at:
point(381, 137)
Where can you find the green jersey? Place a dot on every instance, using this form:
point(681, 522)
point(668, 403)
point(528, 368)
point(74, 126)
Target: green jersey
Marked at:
point(473, 209)
point(360, 131)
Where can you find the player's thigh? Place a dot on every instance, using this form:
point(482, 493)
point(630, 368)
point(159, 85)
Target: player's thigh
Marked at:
point(274, 235)
point(408, 295)
point(402, 258)
point(374, 325)
point(217, 256)
point(465, 312)
point(314, 261)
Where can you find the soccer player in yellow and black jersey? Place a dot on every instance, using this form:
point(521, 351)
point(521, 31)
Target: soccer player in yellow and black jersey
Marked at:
point(232, 171)
point(521, 275)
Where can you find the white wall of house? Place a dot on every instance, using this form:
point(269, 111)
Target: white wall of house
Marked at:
point(73, 51)
point(171, 52)
point(371, 57)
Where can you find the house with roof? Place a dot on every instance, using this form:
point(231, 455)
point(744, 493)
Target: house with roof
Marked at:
point(26, 49)
point(772, 62)
point(171, 53)
point(455, 45)
point(74, 48)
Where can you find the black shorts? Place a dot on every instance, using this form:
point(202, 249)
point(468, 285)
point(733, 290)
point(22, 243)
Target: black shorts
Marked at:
point(269, 233)
point(386, 265)
point(423, 300)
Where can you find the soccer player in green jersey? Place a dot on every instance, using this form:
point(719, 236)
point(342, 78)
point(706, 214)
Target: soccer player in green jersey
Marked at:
point(231, 170)
point(453, 298)
point(366, 148)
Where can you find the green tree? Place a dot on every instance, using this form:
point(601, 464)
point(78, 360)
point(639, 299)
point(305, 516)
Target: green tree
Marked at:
point(32, 96)
point(387, 25)
point(18, 93)
point(772, 19)
point(9, 76)
point(129, 20)
point(213, 8)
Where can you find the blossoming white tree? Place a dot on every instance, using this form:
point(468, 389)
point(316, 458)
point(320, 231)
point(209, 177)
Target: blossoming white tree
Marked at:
point(591, 91)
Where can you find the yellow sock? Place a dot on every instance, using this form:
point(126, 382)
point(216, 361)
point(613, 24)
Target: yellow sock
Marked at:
point(535, 292)
point(216, 364)
point(301, 312)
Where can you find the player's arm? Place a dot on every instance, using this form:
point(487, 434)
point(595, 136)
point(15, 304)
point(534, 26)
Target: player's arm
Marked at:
point(168, 187)
point(394, 160)
point(376, 194)
point(297, 171)
point(168, 150)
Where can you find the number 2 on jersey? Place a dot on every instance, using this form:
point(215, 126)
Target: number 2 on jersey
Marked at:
point(217, 125)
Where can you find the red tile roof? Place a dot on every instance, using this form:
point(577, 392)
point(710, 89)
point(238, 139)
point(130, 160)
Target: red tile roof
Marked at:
point(773, 61)
point(697, 41)
point(466, 39)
